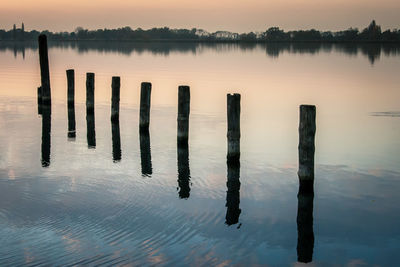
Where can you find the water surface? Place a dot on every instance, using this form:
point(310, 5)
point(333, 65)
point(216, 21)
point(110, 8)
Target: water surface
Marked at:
point(112, 196)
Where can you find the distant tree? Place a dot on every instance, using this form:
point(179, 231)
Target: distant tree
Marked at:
point(248, 37)
point(306, 36)
point(350, 34)
point(275, 34)
point(22, 31)
point(371, 33)
point(14, 32)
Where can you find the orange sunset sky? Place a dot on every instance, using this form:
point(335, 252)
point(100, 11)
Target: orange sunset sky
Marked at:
point(211, 15)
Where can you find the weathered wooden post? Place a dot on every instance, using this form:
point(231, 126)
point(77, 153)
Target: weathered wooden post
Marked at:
point(91, 130)
point(183, 171)
point(116, 141)
point(183, 114)
point(306, 142)
point(115, 85)
point(39, 99)
point(70, 88)
point(145, 96)
point(233, 194)
point(90, 93)
point(46, 136)
point(145, 153)
point(44, 70)
point(233, 104)
point(71, 103)
point(305, 197)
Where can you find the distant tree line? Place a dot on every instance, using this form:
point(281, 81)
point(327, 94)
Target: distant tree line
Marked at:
point(372, 33)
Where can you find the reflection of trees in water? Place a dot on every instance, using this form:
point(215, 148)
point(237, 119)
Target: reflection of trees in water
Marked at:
point(372, 51)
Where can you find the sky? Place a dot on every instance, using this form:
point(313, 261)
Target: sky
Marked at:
point(210, 15)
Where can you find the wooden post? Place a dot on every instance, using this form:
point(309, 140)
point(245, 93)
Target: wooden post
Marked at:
point(145, 153)
point(39, 99)
point(90, 93)
point(115, 85)
point(116, 141)
point(183, 171)
point(306, 142)
point(183, 114)
point(145, 96)
point(71, 88)
point(71, 103)
point(305, 197)
point(233, 101)
point(233, 194)
point(46, 136)
point(44, 70)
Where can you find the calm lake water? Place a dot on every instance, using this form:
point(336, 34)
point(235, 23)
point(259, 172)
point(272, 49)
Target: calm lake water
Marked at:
point(126, 200)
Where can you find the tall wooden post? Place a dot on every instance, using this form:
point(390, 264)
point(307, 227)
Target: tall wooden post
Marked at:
point(115, 85)
point(145, 96)
point(233, 135)
point(90, 93)
point(305, 239)
point(306, 142)
point(71, 103)
point(44, 70)
point(70, 88)
point(183, 114)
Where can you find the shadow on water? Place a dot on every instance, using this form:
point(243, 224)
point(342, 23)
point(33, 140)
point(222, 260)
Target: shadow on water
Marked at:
point(372, 51)
point(145, 152)
point(91, 132)
point(233, 194)
point(183, 171)
point(46, 135)
point(116, 141)
point(305, 237)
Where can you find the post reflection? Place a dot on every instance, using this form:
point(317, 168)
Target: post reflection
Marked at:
point(305, 238)
point(145, 152)
point(116, 141)
point(183, 171)
point(46, 136)
point(233, 194)
point(91, 132)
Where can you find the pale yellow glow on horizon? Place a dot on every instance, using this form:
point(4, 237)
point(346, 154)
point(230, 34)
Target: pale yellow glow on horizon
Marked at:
point(233, 15)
